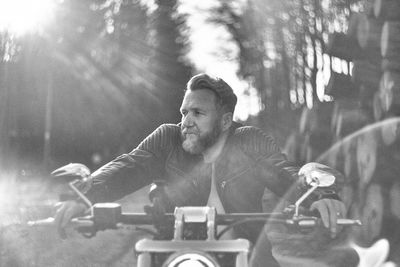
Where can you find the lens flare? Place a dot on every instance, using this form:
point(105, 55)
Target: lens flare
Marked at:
point(23, 16)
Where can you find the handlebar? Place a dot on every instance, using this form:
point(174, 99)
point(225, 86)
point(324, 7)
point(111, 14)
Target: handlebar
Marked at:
point(221, 219)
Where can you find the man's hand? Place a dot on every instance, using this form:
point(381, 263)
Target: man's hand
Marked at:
point(330, 210)
point(65, 212)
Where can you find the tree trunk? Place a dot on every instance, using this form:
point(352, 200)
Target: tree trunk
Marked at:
point(4, 111)
point(48, 120)
point(285, 65)
point(369, 7)
point(352, 27)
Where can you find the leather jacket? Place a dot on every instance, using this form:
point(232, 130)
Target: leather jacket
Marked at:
point(250, 163)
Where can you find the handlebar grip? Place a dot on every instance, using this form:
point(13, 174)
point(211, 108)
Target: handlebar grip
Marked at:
point(44, 222)
point(313, 222)
point(79, 222)
point(76, 222)
point(348, 222)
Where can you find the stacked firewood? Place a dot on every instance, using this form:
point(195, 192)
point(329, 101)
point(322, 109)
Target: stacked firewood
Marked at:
point(313, 135)
point(369, 99)
point(387, 98)
point(354, 92)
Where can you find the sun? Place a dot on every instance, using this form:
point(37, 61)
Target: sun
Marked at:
point(25, 16)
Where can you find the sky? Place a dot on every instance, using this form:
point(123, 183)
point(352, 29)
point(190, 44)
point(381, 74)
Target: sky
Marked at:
point(23, 16)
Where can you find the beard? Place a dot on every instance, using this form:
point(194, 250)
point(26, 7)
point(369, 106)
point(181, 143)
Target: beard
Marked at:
point(195, 143)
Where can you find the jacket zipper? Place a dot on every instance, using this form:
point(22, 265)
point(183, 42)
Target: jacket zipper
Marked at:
point(237, 176)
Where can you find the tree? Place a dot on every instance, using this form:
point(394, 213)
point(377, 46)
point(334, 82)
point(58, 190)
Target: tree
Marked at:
point(169, 67)
point(95, 59)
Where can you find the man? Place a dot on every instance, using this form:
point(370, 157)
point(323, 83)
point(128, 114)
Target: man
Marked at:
point(208, 159)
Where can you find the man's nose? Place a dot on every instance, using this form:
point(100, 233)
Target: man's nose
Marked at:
point(187, 120)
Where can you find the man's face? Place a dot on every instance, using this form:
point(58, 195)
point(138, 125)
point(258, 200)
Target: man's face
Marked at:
point(201, 121)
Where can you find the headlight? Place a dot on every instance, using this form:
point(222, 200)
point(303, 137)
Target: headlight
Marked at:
point(190, 259)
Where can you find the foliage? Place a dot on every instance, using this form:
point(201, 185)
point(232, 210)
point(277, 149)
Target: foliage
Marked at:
point(93, 80)
point(171, 71)
point(284, 40)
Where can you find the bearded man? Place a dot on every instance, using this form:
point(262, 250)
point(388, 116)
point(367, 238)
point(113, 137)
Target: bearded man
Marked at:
point(208, 159)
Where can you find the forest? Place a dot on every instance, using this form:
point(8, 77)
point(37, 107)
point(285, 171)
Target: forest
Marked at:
point(91, 82)
point(101, 75)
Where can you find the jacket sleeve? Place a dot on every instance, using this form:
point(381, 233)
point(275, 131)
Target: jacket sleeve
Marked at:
point(281, 176)
point(130, 172)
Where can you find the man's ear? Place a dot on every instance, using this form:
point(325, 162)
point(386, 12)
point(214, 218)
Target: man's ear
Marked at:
point(226, 121)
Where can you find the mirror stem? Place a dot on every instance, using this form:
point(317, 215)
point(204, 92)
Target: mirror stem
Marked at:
point(81, 195)
point(303, 197)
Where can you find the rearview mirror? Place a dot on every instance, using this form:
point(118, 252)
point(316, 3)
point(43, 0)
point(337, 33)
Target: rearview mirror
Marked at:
point(316, 174)
point(72, 171)
point(77, 176)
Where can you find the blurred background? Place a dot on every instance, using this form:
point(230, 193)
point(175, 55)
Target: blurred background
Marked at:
point(86, 80)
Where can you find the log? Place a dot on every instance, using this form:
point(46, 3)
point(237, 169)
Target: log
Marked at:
point(376, 161)
point(372, 213)
point(390, 93)
point(342, 104)
point(366, 97)
point(390, 44)
point(366, 157)
point(369, 32)
point(372, 190)
point(390, 131)
point(387, 9)
point(318, 141)
point(296, 148)
point(365, 72)
point(349, 151)
point(395, 200)
point(308, 120)
point(316, 118)
point(377, 106)
point(341, 46)
point(347, 195)
point(349, 121)
point(390, 64)
point(387, 165)
point(341, 86)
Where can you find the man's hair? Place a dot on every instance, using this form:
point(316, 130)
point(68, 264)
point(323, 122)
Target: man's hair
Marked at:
point(224, 93)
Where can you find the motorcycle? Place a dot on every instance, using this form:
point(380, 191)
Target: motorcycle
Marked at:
point(195, 239)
